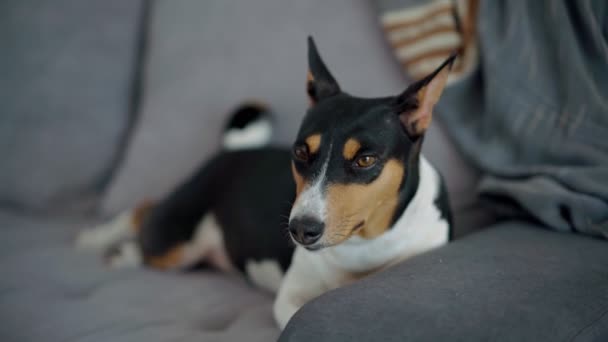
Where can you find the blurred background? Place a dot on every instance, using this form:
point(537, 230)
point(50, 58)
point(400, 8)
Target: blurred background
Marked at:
point(105, 103)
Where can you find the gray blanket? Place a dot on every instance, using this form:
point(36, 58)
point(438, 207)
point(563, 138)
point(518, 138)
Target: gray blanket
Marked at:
point(530, 105)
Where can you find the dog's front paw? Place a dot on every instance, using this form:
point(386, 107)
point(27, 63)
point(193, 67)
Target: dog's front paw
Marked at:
point(103, 237)
point(124, 255)
point(95, 239)
point(283, 310)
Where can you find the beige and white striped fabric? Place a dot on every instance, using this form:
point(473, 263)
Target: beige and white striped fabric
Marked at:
point(424, 35)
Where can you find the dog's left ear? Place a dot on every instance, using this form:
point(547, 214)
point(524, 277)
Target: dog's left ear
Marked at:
point(415, 105)
point(320, 83)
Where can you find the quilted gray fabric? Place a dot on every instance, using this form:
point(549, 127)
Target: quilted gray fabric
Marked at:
point(50, 292)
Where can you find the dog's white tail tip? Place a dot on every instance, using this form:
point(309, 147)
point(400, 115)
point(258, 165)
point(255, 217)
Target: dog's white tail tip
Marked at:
point(249, 127)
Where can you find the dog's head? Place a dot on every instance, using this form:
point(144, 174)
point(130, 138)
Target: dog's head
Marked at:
point(355, 160)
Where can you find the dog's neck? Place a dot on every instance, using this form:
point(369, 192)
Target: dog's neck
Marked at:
point(419, 228)
point(411, 184)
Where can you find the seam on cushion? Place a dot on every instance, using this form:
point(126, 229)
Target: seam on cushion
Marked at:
point(597, 320)
point(136, 91)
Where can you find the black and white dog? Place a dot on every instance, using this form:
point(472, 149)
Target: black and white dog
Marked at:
point(354, 194)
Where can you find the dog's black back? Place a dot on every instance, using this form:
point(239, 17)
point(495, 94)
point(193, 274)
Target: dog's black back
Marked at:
point(250, 193)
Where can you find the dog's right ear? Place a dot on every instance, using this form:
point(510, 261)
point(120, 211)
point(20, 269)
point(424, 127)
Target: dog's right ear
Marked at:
point(415, 105)
point(320, 84)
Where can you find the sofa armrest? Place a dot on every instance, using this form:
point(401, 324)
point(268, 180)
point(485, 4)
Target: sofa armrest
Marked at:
point(512, 281)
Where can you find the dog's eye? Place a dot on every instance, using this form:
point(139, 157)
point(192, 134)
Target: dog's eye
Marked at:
point(300, 153)
point(365, 161)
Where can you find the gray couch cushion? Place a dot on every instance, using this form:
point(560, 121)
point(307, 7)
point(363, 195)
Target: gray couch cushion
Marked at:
point(66, 71)
point(511, 282)
point(51, 292)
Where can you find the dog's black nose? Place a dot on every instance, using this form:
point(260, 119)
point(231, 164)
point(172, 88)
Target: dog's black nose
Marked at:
point(306, 230)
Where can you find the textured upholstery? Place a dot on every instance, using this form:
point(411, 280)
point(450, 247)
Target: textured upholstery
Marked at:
point(510, 282)
point(67, 69)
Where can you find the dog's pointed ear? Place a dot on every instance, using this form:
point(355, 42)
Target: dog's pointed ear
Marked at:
point(415, 105)
point(320, 83)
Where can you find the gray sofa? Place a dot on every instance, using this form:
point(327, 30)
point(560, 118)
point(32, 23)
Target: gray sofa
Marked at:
point(106, 103)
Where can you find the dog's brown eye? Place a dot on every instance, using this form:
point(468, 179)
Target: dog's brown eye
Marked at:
point(301, 153)
point(365, 161)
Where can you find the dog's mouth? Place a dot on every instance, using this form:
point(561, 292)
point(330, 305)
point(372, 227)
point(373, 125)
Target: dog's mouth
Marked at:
point(357, 227)
point(324, 244)
point(314, 247)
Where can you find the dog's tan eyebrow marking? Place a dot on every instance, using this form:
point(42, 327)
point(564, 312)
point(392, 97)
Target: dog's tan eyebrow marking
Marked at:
point(351, 147)
point(313, 142)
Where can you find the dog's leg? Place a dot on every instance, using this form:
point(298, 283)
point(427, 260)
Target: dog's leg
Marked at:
point(118, 242)
point(125, 254)
point(122, 227)
point(206, 243)
point(306, 278)
point(104, 236)
point(287, 303)
point(116, 238)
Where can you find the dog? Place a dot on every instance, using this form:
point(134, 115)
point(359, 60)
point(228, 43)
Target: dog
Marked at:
point(353, 196)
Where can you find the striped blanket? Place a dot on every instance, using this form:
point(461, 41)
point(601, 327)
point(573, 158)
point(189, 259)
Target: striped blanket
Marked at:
point(424, 35)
